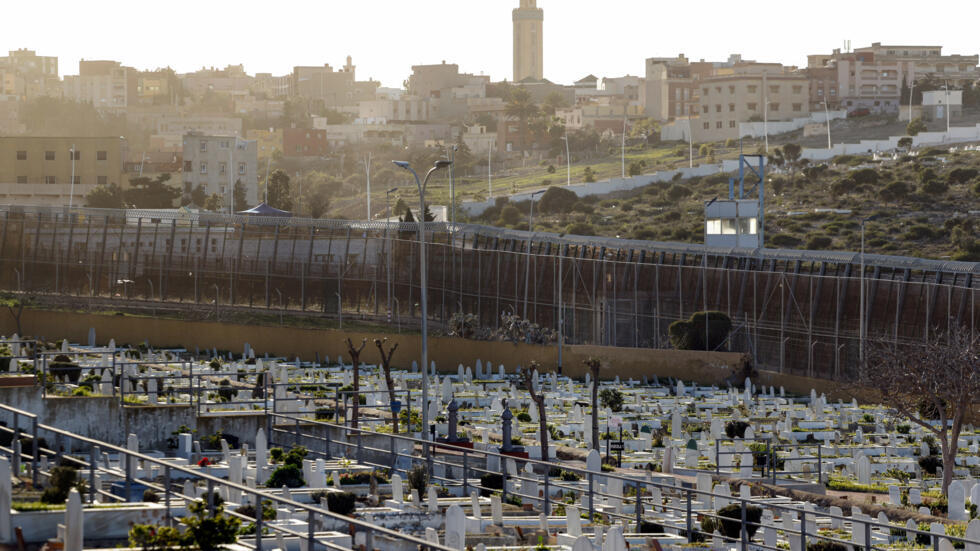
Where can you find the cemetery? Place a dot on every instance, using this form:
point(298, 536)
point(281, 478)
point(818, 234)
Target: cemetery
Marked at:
point(106, 446)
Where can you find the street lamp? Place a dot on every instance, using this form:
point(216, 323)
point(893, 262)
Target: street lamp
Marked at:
point(862, 329)
point(911, 92)
point(826, 111)
point(423, 282)
point(388, 256)
point(527, 261)
point(946, 88)
point(367, 170)
point(71, 192)
point(568, 159)
point(624, 147)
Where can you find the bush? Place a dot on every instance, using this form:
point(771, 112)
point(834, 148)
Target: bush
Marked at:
point(61, 481)
point(678, 192)
point(935, 187)
point(290, 476)
point(784, 240)
point(569, 476)
point(690, 334)
point(523, 416)
point(225, 390)
point(962, 175)
point(210, 532)
point(342, 503)
point(819, 242)
point(915, 126)
point(509, 216)
point(824, 545)
point(557, 200)
point(490, 482)
point(930, 463)
point(580, 228)
point(418, 478)
point(735, 429)
point(149, 496)
point(276, 454)
point(268, 510)
point(611, 398)
point(62, 368)
point(731, 521)
point(295, 457)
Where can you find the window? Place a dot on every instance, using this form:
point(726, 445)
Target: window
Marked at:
point(797, 89)
point(221, 168)
point(103, 180)
point(707, 126)
point(50, 180)
point(819, 92)
point(224, 144)
point(752, 106)
point(49, 155)
point(21, 155)
point(101, 155)
point(833, 91)
point(204, 146)
point(731, 107)
point(188, 166)
point(705, 91)
point(22, 179)
point(752, 88)
point(718, 124)
point(731, 89)
point(77, 180)
point(797, 107)
point(774, 89)
point(75, 154)
point(204, 167)
point(748, 226)
point(718, 108)
point(718, 89)
point(704, 108)
point(774, 106)
point(731, 124)
point(242, 168)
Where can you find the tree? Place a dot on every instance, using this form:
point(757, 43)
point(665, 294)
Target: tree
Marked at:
point(279, 196)
point(146, 193)
point(690, 334)
point(213, 203)
point(553, 102)
point(198, 196)
point(636, 168)
point(538, 399)
point(509, 215)
point(557, 200)
point(240, 196)
point(521, 107)
point(905, 143)
point(355, 358)
point(588, 175)
point(386, 369)
point(926, 381)
point(318, 202)
point(612, 399)
point(594, 364)
point(895, 192)
point(15, 306)
point(915, 126)
point(105, 197)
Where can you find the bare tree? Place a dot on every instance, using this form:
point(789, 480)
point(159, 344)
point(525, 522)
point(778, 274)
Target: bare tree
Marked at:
point(538, 399)
point(355, 356)
point(594, 364)
point(15, 305)
point(923, 381)
point(386, 369)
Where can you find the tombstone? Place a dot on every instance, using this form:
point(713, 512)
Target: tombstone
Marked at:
point(863, 467)
point(6, 498)
point(973, 534)
point(133, 445)
point(432, 500)
point(615, 540)
point(668, 464)
point(496, 510)
point(493, 460)
point(675, 424)
point(957, 501)
point(397, 492)
point(74, 522)
point(583, 543)
point(453, 410)
point(912, 525)
point(835, 511)
point(573, 521)
point(455, 528)
point(475, 505)
point(593, 461)
point(895, 495)
point(506, 417)
point(915, 496)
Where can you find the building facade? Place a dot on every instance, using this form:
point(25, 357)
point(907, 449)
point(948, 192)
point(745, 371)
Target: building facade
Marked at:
point(38, 171)
point(757, 92)
point(217, 164)
point(304, 142)
point(528, 41)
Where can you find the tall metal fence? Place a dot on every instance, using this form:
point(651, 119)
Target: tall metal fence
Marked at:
point(797, 312)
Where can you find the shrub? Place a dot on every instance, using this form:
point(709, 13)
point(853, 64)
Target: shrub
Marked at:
point(580, 228)
point(824, 545)
point(210, 532)
point(915, 126)
point(490, 482)
point(962, 175)
point(678, 192)
point(569, 476)
point(342, 503)
point(647, 527)
point(268, 510)
point(557, 200)
point(731, 521)
point(690, 334)
point(61, 481)
point(148, 537)
point(935, 187)
point(818, 242)
point(523, 416)
point(736, 429)
point(930, 463)
point(225, 390)
point(784, 240)
point(287, 475)
point(509, 215)
point(276, 454)
point(611, 398)
point(418, 478)
point(295, 456)
point(62, 368)
point(149, 496)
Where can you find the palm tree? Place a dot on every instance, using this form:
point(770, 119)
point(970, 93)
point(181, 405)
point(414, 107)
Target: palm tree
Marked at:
point(522, 107)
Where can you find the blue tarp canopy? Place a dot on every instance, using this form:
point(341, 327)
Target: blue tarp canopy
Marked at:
point(263, 209)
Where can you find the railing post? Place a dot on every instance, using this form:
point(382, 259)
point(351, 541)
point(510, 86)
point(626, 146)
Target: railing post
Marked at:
point(211, 498)
point(503, 486)
point(867, 538)
point(258, 521)
point(591, 495)
point(368, 540)
point(93, 459)
point(360, 449)
point(166, 493)
point(35, 460)
point(327, 450)
point(639, 507)
point(690, 525)
point(310, 542)
point(547, 492)
point(129, 476)
point(466, 473)
point(802, 529)
point(819, 466)
point(744, 532)
point(296, 433)
point(717, 458)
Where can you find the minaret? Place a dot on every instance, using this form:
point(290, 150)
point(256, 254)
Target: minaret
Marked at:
point(528, 41)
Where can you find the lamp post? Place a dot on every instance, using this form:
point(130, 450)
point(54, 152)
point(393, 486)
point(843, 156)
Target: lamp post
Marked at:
point(423, 283)
point(862, 326)
point(946, 88)
point(826, 111)
point(568, 160)
point(71, 189)
point(624, 147)
point(690, 143)
point(388, 256)
point(911, 92)
point(527, 261)
point(490, 171)
point(367, 170)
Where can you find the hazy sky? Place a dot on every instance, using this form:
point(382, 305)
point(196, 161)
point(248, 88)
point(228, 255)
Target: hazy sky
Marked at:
point(387, 37)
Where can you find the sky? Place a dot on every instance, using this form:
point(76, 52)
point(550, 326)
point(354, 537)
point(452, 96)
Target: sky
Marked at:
point(386, 37)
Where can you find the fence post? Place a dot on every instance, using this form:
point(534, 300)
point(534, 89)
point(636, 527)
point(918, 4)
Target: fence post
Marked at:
point(310, 542)
point(744, 532)
point(93, 453)
point(296, 433)
point(639, 507)
point(211, 498)
point(166, 492)
point(327, 451)
point(819, 466)
point(258, 521)
point(591, 495)
point(368, 540)
point(129, 477)
point(803, 529)
point(466, 473)
point(690, 525)
point(547, 492)
point(867, 538)
point(360, 449)
point(717, 458)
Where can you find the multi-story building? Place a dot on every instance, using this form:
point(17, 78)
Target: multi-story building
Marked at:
point(528, 41)
point(862, 80)
point(107, 85)
point(25, 75)
point(749, 92)
point(333, 88)
point(268, 141)
point(670, 89)
point(38, 171)
point(217, 164)
point(304, 142)
point(928, 62)
point(231, 79)
point(159, 87)
point(446, 90)
point(272, 86)
point(408, 109)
